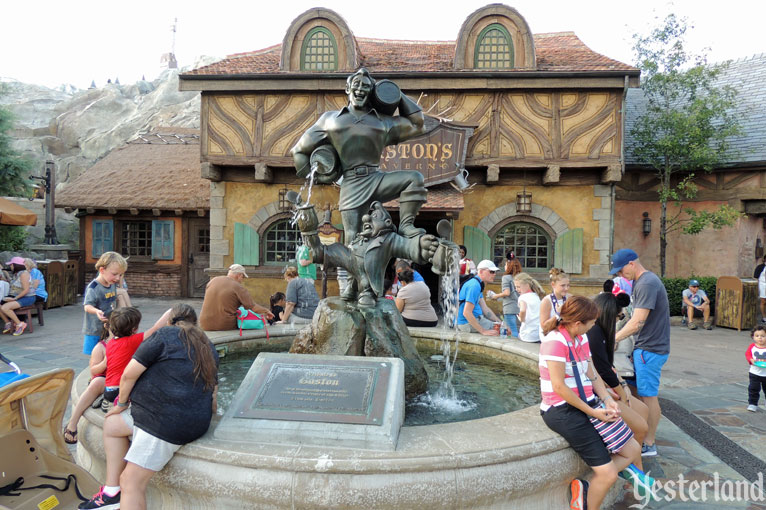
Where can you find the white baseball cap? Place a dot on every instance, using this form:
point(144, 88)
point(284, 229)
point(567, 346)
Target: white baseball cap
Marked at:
point(487, 264)
point(238, 268)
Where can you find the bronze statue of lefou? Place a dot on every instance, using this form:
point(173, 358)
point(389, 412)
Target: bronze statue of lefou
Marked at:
point(368, 254)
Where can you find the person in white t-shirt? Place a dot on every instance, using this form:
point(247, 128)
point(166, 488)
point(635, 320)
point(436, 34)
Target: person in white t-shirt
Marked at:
point(530, 293)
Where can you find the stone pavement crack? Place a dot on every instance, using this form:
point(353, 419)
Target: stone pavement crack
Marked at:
point(745, 463)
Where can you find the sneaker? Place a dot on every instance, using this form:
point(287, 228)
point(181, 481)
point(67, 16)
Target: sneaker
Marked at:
point(20, 328)
point(8, 327)
point(643, 484)
point(102, 501)
point(708, 326)
point(683, 321)
point(691, 326)
point(752, 408)
point(648, 450)
point(105, 405)
point(579, 494)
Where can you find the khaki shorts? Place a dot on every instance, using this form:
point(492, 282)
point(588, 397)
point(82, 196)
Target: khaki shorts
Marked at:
point(147, 451)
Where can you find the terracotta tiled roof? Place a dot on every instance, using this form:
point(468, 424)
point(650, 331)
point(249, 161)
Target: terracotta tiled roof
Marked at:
point(439, 199)
point(561, 51)
point(156, 171)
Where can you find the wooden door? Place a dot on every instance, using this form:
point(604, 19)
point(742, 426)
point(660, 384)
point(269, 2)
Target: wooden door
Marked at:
point(199, 255)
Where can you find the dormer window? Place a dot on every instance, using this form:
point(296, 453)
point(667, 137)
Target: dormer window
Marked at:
point(319, 51)
point(494, 49)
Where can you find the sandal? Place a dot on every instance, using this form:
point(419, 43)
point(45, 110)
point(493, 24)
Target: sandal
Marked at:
point(70, 437)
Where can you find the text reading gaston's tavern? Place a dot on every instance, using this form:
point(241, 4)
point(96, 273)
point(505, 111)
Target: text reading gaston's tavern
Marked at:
point(316, 386)
point(436, 155)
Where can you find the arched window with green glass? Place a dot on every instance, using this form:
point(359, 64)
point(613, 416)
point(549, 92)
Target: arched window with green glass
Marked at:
point(530, 243)
point(319, 51)
point(494, 48)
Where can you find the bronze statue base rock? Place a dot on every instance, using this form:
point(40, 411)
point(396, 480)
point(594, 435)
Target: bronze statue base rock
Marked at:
point(339, 327)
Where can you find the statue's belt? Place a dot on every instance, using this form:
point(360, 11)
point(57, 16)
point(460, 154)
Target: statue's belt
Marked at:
point(360, 171)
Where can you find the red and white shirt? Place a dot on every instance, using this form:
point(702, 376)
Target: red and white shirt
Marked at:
point(554, 348)
point(753, 354)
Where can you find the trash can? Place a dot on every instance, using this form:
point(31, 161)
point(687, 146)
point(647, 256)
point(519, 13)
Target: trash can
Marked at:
point(736, 302)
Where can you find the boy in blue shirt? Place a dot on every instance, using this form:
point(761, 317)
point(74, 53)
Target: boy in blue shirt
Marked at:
point(100, 297)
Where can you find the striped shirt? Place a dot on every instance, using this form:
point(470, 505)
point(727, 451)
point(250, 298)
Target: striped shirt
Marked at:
point(554, 348)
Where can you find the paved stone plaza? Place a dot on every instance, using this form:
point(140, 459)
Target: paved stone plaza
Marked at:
point(705, 428)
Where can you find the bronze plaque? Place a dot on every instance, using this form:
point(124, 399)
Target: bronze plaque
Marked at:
point(344, 391)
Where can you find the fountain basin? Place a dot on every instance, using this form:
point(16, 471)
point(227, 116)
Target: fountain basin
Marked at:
point(507, 461)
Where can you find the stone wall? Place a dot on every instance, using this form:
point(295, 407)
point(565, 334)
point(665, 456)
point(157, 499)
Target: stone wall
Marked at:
point(146, 283)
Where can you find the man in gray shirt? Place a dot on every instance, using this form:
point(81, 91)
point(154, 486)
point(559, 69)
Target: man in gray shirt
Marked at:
point(650, 324)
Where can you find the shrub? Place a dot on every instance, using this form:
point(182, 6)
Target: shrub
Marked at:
point(12, 238)
point(676, 286)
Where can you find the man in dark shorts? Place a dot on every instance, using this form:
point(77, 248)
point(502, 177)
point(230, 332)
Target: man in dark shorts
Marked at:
point(650, 324)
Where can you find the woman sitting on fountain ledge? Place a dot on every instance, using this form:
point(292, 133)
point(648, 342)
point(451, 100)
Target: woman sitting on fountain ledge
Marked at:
point(414, 301)
point(170, 386)
point(301, 298)
point(571, 390)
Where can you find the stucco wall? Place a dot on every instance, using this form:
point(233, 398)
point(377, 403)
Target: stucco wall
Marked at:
point(729, 251)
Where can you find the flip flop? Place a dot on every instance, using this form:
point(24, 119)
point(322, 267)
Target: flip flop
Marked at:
point(70, 437)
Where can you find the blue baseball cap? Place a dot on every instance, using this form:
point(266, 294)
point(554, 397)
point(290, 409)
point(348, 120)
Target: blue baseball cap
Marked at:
point(622, 257)
point(694, 283)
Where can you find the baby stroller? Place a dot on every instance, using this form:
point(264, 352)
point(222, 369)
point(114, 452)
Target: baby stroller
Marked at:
point(36, 468)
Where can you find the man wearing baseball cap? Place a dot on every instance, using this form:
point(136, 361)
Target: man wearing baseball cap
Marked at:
point(223, 296)
point(650, 324)
point(474, 316)
point(696, 304)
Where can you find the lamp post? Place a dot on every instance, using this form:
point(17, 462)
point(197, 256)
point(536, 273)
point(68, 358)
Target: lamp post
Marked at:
point(49, 183)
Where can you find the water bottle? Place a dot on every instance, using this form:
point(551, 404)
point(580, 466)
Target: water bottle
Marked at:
point(503, 331)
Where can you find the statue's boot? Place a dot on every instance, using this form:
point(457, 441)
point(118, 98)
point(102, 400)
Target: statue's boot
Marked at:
point(407, 212)
point(349, 293)
point(367, 299)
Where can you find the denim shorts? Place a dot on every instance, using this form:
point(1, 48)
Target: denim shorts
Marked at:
point(26, 300)
point(648, 366)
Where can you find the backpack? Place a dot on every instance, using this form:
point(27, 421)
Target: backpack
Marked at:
point(248, 319)
point(462, 281)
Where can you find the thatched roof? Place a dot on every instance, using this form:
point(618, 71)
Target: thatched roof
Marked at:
point(154, 171)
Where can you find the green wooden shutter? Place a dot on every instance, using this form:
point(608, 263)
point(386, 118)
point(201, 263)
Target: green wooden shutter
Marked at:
point(245, 245)
point(103, 237)
point(162, 239)
point(568, 251)
point(478, 244)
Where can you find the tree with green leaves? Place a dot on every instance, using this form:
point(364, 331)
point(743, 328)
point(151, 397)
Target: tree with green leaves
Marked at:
point(684, 128)
point(14, 181)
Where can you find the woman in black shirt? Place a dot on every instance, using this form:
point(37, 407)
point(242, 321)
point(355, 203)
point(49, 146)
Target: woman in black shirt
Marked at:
point(602, 346)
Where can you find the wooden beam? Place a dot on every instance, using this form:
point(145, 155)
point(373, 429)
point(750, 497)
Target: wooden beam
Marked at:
point(134, 211)
point(612, 173)
point(68, 210)
point(179, 212)
point(156, 212)
point(552, 174)
point(210, 171)
point(200, 213)
point(493, 173)
point(90, 210)
point(112, 210)
point(263, 173)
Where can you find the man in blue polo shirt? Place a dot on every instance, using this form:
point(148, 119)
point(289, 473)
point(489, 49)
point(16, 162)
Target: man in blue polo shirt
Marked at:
point(650, 324)
point(474, 316)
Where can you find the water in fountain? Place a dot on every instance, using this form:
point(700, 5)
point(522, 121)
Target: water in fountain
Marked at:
point(307, 186)
point(444, 398)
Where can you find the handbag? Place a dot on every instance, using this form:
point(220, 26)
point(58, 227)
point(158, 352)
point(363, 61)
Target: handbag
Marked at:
point(248, 319)
point(614, 434)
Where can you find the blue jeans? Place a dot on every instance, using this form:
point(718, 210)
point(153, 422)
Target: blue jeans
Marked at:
point(510, 321)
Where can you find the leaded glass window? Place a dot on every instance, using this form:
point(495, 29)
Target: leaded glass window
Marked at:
point(494, 49)
point(137, 238)
point(282, 240)
point(319, 52)
point(529, 242)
